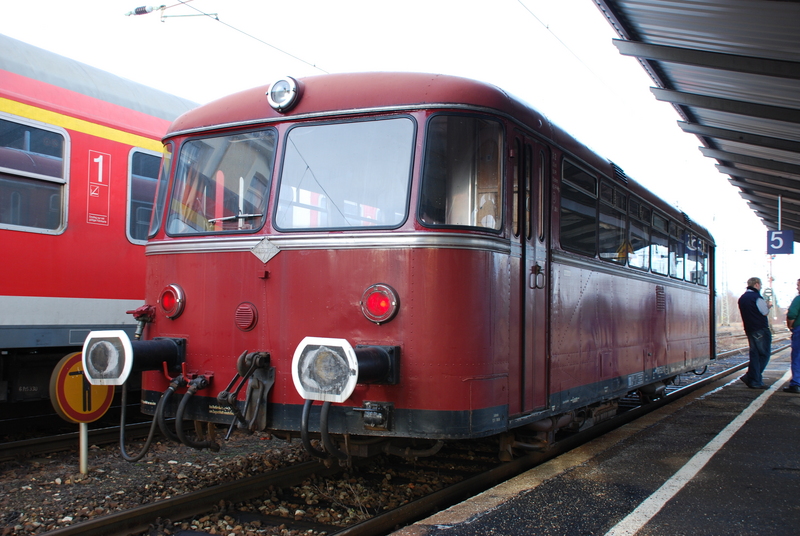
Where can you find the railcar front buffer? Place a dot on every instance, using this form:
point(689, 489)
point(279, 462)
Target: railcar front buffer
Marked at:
point(109, 357)
point(328, 370)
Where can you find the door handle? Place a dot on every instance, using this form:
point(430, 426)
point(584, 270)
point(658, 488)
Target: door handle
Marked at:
point(536, 278)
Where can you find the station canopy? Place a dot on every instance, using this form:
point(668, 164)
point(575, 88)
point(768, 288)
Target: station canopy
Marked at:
point(731, 68)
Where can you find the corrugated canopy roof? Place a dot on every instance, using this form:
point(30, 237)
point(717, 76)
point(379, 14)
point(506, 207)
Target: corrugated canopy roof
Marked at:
point(732, 70)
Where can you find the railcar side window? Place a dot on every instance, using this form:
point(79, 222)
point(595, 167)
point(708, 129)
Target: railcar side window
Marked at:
point(690, 264)
point(161, 190)
point(676, 251)
point(701, 273)
point(462, 173)
point(578, 210)
point(32, 178)
point(528, 191)
point(696, 260)
point(614, 246)
point(541, 209)
point(346, 175)
point(639, 253)
point(660, 245)
point(142, 177)
point(515, 187)
point(222, 184)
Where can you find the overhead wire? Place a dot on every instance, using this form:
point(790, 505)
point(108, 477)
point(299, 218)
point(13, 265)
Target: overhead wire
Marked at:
point(563, 44)
point(216, 18)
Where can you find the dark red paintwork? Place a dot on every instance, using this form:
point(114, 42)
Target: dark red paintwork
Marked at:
point(465, 351)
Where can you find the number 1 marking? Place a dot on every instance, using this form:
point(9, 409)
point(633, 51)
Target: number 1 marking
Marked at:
point(99, 161)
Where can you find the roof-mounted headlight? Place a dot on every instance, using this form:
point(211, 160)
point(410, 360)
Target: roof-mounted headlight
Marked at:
point(283, 94)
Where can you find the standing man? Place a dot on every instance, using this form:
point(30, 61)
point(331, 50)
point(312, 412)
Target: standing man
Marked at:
point(754, 312)
point(793, 323)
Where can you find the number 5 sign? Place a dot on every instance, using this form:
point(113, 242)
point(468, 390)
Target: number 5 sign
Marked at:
point(780, 242)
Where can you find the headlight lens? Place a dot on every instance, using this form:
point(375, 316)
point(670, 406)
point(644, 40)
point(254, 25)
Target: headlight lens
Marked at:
point(282, 95)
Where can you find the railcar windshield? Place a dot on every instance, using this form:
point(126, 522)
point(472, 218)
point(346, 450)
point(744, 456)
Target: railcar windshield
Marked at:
point(222, 184)
point(160, 199)
point(346, 175)
point(462, 178)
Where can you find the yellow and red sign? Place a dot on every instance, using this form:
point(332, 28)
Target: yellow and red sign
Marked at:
point(73, 397)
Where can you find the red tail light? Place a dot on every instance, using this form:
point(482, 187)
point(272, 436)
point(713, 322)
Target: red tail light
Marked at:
point(380, 303)
point(172, 301)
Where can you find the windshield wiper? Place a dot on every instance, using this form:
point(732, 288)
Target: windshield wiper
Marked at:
point(237, 217)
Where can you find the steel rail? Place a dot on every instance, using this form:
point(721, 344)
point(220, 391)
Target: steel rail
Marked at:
point(140, 518)
point(44, 445)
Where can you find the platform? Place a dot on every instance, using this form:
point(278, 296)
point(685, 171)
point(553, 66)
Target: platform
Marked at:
point(724, 460)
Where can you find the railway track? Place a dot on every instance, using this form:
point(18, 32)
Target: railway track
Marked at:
point(209, 500)
point(46, 445)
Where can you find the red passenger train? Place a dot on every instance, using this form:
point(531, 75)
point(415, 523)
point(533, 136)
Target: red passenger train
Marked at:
point(80, 151)
point(426, 257)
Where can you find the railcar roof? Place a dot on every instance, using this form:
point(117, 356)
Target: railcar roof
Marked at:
point(343, 93)
point(360, 92)
point(39, 64)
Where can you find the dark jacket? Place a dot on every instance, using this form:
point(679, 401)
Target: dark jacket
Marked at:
point(752, 318)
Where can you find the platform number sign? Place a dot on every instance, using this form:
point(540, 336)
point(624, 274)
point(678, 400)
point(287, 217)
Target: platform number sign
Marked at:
point(99, 186)
point(780, 242)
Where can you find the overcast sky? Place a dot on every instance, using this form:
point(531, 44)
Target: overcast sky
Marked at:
point(555, 55)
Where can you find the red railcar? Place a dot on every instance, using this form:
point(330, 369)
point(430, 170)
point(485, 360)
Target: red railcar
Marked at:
point(80, 151)
point(426, 255)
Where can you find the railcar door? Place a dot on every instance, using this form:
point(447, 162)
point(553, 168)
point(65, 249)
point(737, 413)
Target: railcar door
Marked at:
point(534, 217)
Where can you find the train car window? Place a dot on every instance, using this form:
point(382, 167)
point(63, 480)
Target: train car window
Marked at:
point(541, 190)
point(639, 254)
point(634, 206)
point(639, 235)
point(142, 179)
point(515, 210)
point(645, 214)
point(691, 246)
point(462, 173)
point(701, 277)
point(32, 177)
point(578, 210)
point(528, 191)
point(346, 175)
point(677, 251)
point(578, 177)
point(222, 184)
point(613, 243)
point(161, 190)
point(607, 193)
point(659, 239)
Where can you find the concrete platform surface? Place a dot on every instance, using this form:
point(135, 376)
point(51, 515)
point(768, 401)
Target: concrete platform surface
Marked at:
point(724, 460)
